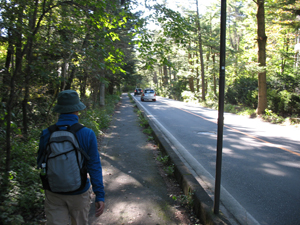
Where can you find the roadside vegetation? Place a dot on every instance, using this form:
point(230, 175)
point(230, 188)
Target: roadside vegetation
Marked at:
point(182, 57)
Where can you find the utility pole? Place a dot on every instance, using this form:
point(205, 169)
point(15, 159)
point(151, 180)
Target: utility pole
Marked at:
point(221, 108)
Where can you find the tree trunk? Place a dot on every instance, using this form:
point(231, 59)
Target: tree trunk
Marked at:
point(161, 76)
point(201, 53)
point(63, 74)
point(102, 94)
point(214, 73)
point(197, 73)
point(74, 67)
point(12, 94)
point(155, 81)
point(32, 23)
point(191, 84)
point(83, 84)
point(191, 77)
point(170, 70)
point(26, 94)
point(207, 60)
point(165, 79)
point(71, 78)
point(6, 73)
point(261, 40)
point(111, 86)
point(286, 50)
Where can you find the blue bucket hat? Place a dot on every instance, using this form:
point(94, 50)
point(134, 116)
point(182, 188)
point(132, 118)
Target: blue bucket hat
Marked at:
point(68, 101)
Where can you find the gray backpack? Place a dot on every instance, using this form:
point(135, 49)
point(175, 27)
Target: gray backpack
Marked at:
point(66, 170)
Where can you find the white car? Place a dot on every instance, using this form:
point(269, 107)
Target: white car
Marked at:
point(148, 95)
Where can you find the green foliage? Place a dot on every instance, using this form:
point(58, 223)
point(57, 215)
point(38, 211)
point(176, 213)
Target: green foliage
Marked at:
point(163, 91)
point(155, 48)
point(162, 159)
point(111, 101)
point(173, 90)
point(160, 48)
point(189, 96)
point(184, 199)
point(150, 138)
point(130, 96)
point(131, 100)
point(245, 111)
point(96, 120)
point(283, 102)
point(231, 108)
point(100, 117)
point(142, 120)
point(173, 23)
point(243, 90)
point(22, 196)
point(169, 170)
point(272, 117)
point(148, 131)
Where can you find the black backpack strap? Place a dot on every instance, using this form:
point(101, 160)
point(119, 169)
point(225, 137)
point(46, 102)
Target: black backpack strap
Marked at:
point(74, 128)
point(53, 128)
point(41, 159)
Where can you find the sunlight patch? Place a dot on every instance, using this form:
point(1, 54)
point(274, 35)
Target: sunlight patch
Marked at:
point(275, 172)
point(290, 164)
point(122, 181)
point(272, 169)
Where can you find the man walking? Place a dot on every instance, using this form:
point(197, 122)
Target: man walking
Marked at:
point(60, 208)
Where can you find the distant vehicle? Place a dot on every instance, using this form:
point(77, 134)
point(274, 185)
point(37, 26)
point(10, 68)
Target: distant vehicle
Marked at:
point(148, 95)
point(138, 91)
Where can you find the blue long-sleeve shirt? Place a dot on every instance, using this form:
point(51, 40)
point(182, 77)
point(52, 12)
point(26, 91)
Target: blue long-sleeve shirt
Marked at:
point(88, 142)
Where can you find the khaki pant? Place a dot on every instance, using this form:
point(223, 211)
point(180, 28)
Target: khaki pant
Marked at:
point(61, 209)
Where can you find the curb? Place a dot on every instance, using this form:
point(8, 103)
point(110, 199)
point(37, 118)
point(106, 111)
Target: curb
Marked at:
point(202, 203)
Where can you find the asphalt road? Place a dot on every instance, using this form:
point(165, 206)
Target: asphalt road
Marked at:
point(260, 162)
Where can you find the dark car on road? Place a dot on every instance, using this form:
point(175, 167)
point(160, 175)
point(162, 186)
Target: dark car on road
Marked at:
point(138, 91)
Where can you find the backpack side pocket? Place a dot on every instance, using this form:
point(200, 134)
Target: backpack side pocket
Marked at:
point(45, 182)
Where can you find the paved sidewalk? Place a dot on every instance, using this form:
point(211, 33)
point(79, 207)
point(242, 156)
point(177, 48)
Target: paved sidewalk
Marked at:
point(135, 191)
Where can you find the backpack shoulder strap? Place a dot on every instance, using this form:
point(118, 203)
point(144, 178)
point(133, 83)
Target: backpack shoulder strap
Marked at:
point(73, 129)
point(76, 127)
point(43, 155)
point(53, 128)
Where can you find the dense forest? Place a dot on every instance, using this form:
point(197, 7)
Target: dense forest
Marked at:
point(103, 48)
point(181, 58)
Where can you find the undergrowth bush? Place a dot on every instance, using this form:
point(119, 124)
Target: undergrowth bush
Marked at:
point(242, 90)
point(22, 199)
point(99, 118)
point(148, 131)
point(189, 96)
point(283, 102)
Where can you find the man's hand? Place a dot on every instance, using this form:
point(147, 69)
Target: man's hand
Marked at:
point(99, 208)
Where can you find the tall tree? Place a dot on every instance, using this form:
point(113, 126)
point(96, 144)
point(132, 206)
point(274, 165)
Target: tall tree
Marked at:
point(45, 37)
point(191, 70)
point(28, 72)
point(200, 52)
point(262, 41)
